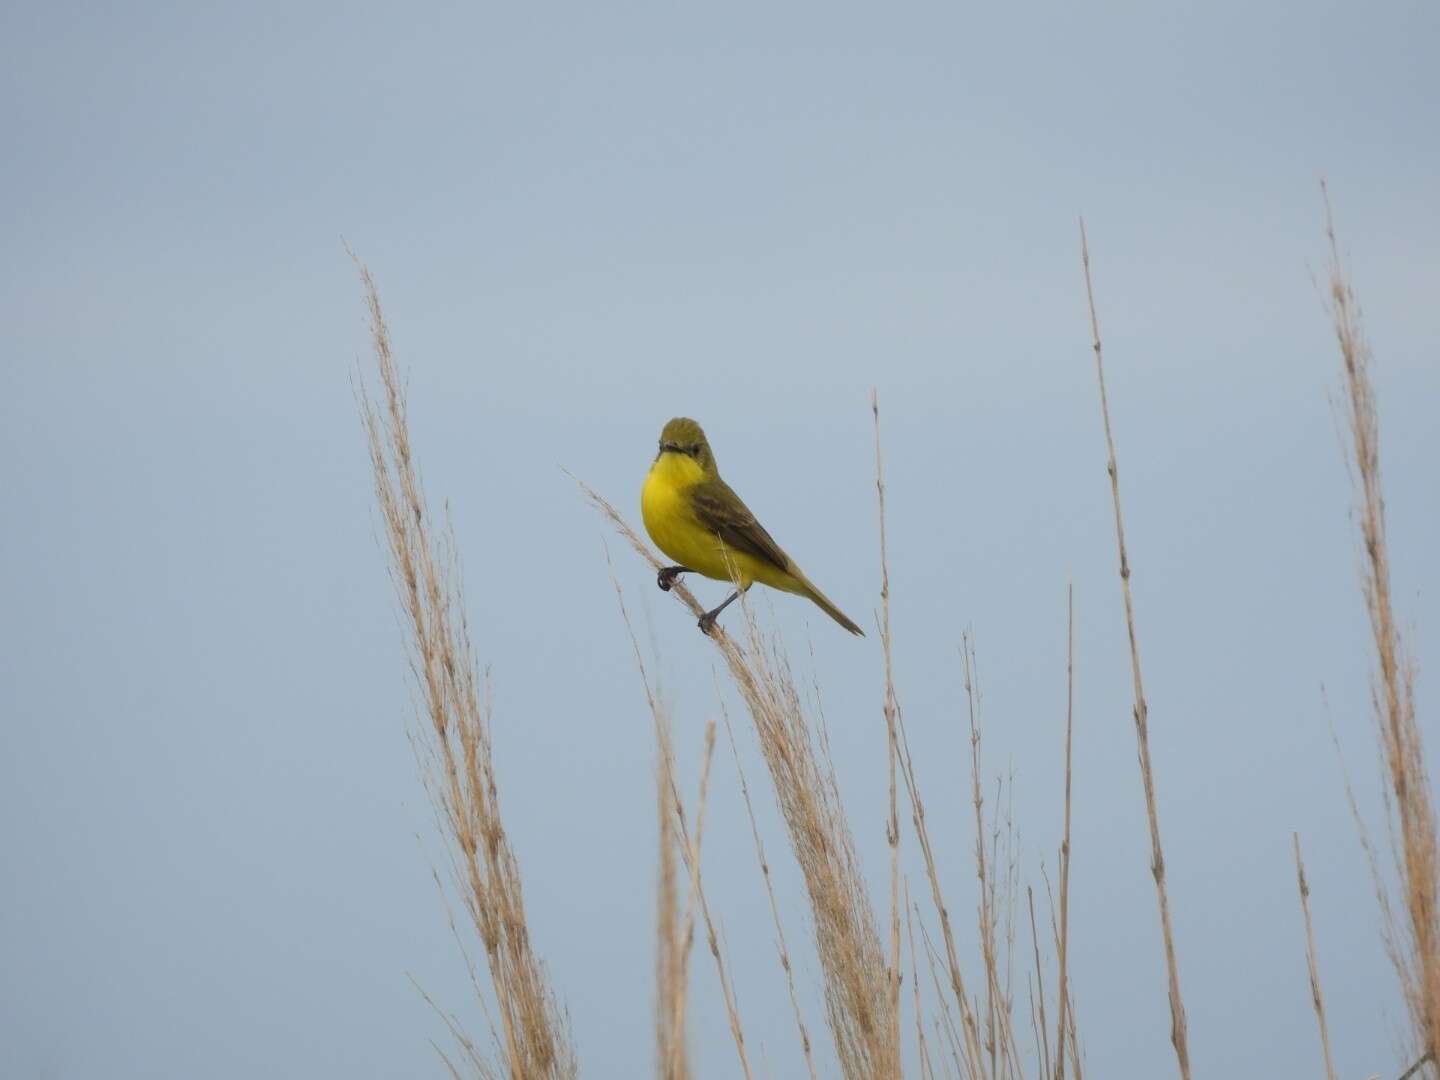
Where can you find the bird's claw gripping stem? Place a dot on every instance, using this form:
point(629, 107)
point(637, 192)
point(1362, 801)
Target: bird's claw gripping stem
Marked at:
point(666, 577)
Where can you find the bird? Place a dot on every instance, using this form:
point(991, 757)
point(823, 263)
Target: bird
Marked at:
point(696, 519)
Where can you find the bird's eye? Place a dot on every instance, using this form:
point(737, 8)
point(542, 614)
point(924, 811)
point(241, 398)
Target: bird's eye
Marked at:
point(695, 450)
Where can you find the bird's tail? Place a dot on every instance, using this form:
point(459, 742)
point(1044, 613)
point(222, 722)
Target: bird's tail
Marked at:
point(823, 602)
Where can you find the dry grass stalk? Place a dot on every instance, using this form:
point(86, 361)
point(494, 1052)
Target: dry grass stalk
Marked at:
point(780, 945)
point(1037, 1008)
point(1411, 807)
point(1316, 998)
point(959, 1045)
point(1178, 1034)
point(1000, 1042)
point(677, 1066)
point(454, 743)
point(891, 708)
point(1072, 1044)
point(690, 852)
point(927, 1068)
point(965, 1043)
point(1073, 1047)
point(672, 957)
point(993, 1053)
point(857, 992)
point(984, 911)
point(671, 943)
point(1062, 946)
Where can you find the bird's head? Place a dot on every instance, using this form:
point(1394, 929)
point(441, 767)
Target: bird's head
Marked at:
point(684, 436)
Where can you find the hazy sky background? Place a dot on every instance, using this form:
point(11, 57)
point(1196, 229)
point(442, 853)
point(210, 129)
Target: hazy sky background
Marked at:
point(585, 219)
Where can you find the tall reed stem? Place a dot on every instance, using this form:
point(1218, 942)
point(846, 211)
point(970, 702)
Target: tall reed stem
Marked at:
point(1178, 1036)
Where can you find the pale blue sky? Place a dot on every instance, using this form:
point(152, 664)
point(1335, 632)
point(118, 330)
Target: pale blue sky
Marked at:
point(585, 219)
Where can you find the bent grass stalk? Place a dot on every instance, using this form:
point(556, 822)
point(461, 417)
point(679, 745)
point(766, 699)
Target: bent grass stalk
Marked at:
point(852, 960)
point(672, 992)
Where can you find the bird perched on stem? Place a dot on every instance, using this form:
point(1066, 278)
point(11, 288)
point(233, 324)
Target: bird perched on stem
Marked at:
point(695, 518)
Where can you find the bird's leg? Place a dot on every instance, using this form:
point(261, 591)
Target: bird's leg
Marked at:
point(707, 621)
point(667, 576)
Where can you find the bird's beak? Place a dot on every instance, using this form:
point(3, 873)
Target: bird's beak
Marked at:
point(670, 447)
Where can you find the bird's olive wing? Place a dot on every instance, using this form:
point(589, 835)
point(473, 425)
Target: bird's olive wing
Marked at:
point(720, 511)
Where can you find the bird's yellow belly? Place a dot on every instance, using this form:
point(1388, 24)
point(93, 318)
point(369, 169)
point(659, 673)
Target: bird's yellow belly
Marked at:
point(676, 532)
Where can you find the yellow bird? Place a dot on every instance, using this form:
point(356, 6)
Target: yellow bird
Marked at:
point(695, 518)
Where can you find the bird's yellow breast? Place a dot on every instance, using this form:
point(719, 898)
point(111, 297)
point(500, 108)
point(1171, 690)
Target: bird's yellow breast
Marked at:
point(672, 524)
point(667, 514)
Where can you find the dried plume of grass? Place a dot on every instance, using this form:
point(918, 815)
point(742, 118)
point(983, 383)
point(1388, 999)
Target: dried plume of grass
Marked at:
point(857, 989)
point(1178, 1034)
point(453, 739)
point(1316, 998)
point(781, 948)
point(1412, 814)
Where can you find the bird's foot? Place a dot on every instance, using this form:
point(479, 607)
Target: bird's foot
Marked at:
point(667, 577)
point(707, 622)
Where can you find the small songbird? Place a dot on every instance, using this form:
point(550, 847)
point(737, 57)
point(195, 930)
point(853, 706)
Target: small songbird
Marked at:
point(696, 519)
